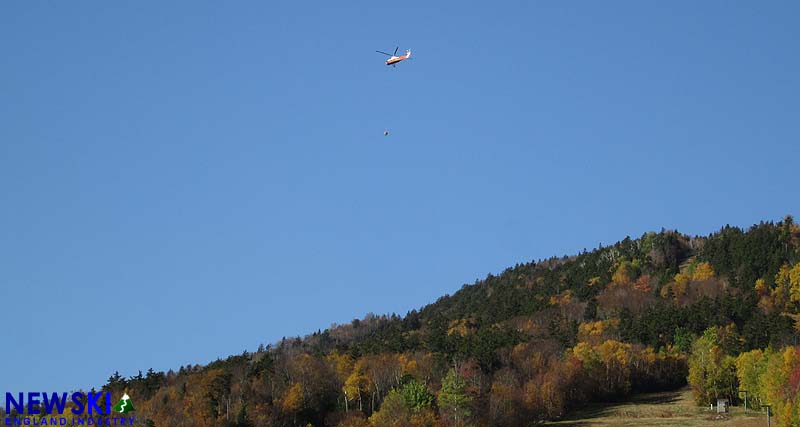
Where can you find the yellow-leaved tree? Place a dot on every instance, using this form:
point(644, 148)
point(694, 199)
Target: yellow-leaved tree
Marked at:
point(703, 271)
point(750, 368)
point(356, 386)
point(292, 401)
point(794, 283)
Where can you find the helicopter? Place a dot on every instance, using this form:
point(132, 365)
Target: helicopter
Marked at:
point(393, 58)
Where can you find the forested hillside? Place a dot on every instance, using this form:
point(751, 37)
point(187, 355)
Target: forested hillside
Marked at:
point(526, 345)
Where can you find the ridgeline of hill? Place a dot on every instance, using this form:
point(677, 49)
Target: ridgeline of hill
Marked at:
point(527, 345)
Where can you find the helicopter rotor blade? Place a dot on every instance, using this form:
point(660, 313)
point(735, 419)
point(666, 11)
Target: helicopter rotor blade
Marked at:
point(395, 51)
point(387, 54)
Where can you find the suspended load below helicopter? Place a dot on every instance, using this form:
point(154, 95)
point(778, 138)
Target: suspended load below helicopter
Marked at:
point(393, 58)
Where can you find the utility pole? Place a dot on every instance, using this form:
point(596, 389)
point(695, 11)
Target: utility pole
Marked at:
point(768, 415)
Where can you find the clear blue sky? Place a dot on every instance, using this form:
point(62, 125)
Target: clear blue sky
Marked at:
point(181, 181)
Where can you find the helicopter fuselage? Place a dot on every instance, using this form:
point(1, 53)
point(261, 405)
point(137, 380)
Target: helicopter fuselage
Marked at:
point(394, 59)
